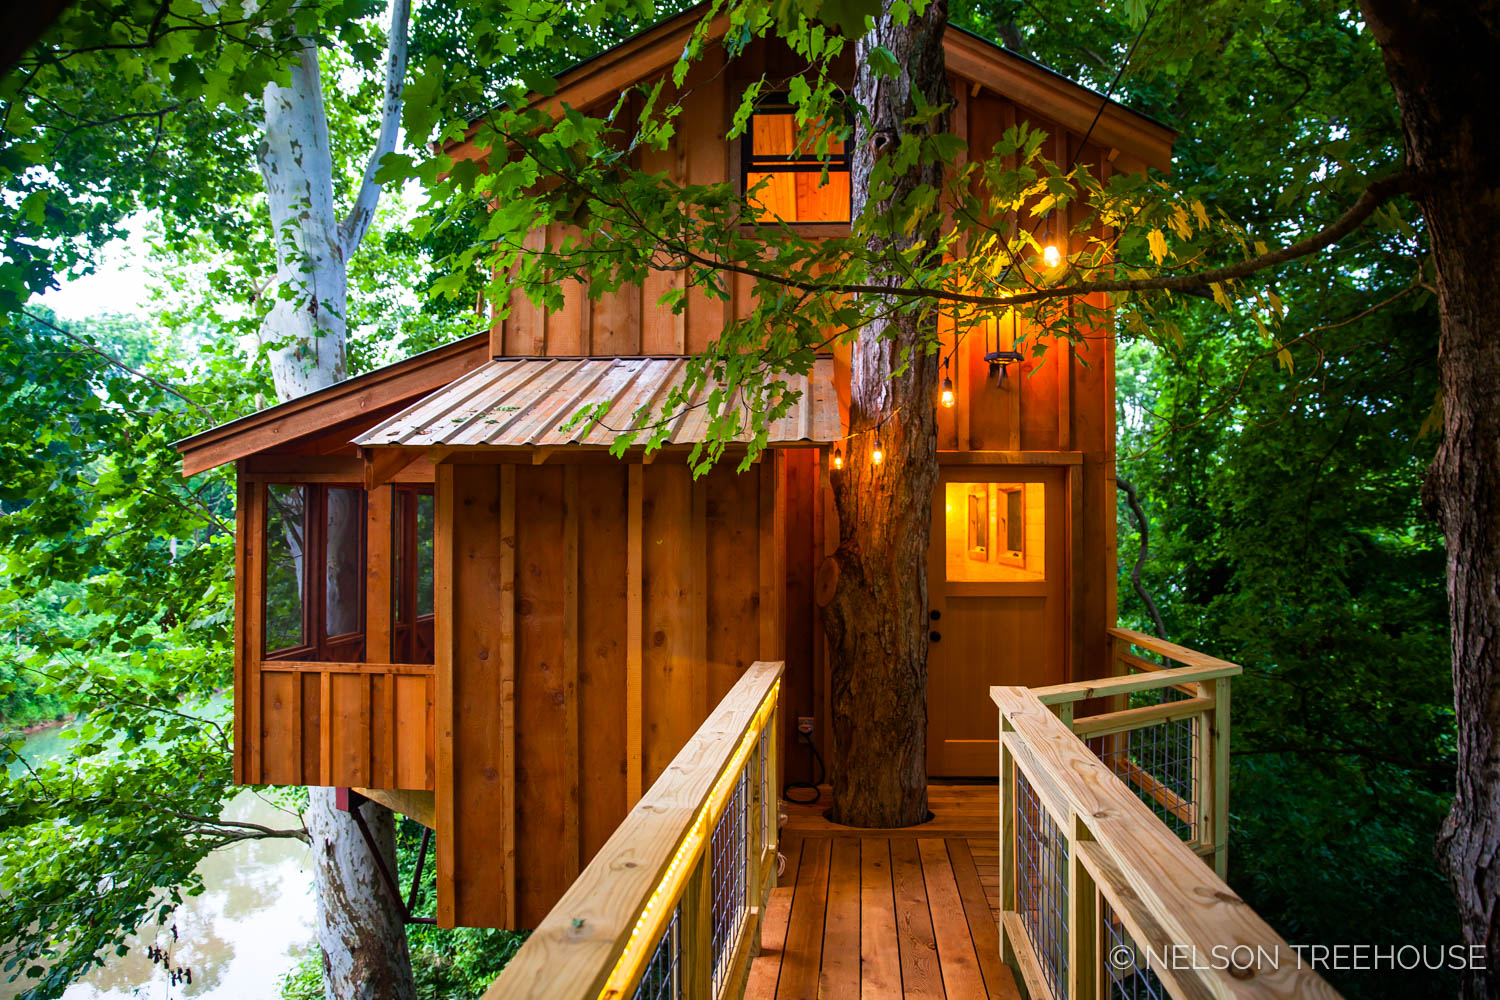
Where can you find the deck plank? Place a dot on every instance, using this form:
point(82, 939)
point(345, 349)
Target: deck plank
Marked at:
point(999, 984)
point(879, 950)
point(765, 968)
point(803, 957)
point(956, 958)
point(920, 974)
point(840, 975)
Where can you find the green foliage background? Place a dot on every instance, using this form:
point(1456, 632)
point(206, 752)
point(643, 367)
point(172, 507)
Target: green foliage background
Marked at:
point(1281, 481)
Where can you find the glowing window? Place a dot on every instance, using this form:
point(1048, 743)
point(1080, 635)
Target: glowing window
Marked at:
point(995, 532)
point(790, 162)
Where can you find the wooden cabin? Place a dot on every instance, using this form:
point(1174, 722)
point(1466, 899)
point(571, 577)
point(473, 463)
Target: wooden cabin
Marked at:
point(445, 598)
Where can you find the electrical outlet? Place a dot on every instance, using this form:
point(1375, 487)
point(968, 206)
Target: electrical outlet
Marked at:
point(805, 725)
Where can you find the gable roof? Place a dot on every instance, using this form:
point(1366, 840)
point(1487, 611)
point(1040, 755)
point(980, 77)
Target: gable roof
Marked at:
point(970, 55)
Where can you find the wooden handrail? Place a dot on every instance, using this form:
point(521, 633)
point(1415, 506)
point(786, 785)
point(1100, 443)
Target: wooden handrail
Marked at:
point(1057, 694)
point(1163, 893)
point(1172, 651)
point(597, 939)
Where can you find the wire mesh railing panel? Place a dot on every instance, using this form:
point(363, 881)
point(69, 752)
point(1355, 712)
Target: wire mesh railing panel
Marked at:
point(662, 979)
point(1126, 974)
point(729, 864)
point(1042, 885)
point(1160, 764)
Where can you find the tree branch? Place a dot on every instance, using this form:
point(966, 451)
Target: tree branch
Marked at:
point(1376, 194)
point(1133, 499)
point(352, 230)
point(164, 387)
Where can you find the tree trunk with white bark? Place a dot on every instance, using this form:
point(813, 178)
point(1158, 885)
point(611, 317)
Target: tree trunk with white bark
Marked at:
point(361, 927)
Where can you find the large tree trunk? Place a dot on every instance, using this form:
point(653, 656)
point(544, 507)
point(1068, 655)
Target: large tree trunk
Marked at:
point(877, 621)
point(361, 927)
point(1441, 60)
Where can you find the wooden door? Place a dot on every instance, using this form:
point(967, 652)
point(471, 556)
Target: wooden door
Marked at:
point(997, 599)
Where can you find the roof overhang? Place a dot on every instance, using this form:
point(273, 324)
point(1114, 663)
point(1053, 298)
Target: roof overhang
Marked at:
point(351, 403)
point(531, 403)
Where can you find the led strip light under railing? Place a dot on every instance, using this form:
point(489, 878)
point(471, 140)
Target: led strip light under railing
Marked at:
point(631, 962)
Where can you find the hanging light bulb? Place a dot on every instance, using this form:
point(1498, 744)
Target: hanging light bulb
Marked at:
point(877, 454)
point(838, 458)
point(1051, 256)
point(947, 396)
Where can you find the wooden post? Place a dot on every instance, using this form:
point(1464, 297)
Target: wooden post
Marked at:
point(634, 610)
point(1220, 739)
point(696, 928)
point(1007, 843)
point(1083, 920)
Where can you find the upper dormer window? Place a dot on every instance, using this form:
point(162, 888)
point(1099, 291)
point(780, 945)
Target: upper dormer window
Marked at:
point(790, 159)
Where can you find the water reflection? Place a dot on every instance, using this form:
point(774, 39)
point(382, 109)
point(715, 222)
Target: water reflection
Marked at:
point(253, 922)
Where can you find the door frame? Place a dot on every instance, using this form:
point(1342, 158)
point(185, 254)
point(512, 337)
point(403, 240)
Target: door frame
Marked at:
point(1061, 544)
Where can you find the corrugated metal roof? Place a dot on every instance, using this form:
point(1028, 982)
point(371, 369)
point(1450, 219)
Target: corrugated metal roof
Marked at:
point(525, 402)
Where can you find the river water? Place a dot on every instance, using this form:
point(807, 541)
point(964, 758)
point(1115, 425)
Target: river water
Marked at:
point(252, 924)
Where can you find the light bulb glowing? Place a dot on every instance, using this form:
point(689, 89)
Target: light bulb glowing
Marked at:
point(877, 455)
point(838, 458)
point(947, 396)
point(1051, 256)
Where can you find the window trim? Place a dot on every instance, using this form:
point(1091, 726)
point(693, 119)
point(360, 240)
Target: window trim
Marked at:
point(792, 164)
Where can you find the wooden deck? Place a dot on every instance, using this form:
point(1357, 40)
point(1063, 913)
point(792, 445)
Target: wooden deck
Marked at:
point(887, 913)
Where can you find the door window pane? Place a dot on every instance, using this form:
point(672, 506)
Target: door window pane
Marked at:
point(286, 534)
point(343, 566)
point(994, 532)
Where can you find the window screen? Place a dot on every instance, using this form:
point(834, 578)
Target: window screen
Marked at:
point(286, 564)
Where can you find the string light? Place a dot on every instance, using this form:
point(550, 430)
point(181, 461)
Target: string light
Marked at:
point(1051, 256)
point(877, 454)
point(838, 458)
point(947, 396)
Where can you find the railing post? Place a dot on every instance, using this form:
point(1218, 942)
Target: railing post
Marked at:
point(755, 823)
point(697, 930)
point(1007, 895)
point(1083, 920)
point(1219, 739)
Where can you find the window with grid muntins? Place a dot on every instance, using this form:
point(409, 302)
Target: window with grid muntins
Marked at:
point(662, 979)
point(1125, 968)
point(1042, 885)
point(727, 878)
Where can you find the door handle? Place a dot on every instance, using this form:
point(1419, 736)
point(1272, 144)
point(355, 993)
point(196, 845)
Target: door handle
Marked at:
point(935, 635)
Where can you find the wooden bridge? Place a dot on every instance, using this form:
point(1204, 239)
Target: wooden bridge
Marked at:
point(1087, 872)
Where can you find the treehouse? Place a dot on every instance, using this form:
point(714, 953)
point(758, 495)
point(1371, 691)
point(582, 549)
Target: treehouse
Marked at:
point(580, 671)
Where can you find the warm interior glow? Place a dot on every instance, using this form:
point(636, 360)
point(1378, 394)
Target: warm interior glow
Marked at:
point(1051, 256)
point(994, 532)
point(787, 162)
point(801, 196)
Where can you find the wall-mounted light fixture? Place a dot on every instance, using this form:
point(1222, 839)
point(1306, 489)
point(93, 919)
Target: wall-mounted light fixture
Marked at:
point(999, 360)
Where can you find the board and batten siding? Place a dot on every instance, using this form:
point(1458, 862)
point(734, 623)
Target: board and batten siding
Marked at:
point(590, 616)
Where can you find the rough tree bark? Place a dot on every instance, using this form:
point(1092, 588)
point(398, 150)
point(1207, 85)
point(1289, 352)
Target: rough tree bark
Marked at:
point(877, 620)
point(361, 931)
point(1441, 60)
